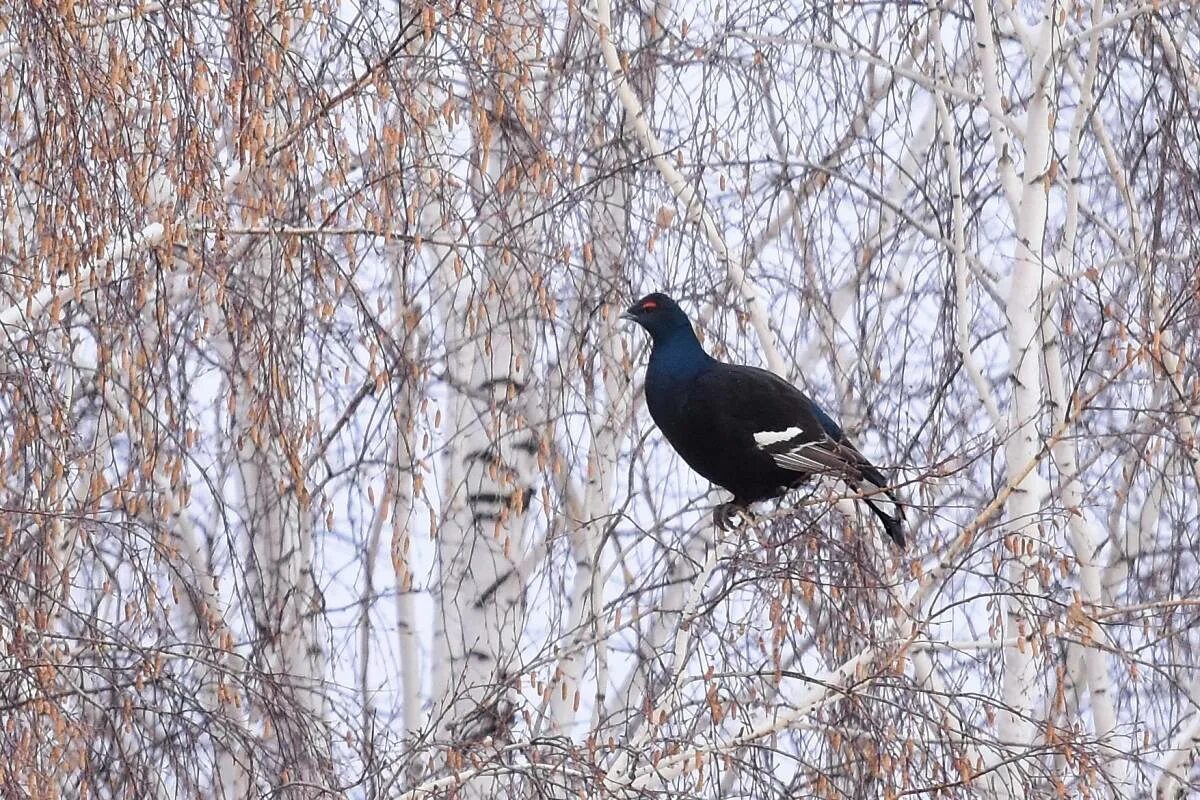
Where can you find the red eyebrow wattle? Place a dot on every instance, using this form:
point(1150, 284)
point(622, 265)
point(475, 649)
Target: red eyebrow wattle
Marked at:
point(649, 305)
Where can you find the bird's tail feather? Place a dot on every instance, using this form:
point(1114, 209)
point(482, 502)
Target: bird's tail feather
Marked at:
point(889, 511)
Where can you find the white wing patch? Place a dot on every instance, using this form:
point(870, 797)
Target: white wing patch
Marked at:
point(774, 437)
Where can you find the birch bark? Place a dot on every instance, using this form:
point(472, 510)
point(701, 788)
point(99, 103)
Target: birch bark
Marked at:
point(1025, 308)
point(494, 447)
point(266, 361)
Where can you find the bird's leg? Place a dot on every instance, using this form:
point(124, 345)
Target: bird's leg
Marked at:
point(724, 516)
point(728, 516)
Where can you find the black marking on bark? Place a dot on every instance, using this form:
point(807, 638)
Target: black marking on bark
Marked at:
point(492, 383)
point(486, 595)
point(488, 455)
point(517, 501)
point(529, 446)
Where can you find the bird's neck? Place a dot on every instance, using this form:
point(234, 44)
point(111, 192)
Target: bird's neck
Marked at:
point(678, 354)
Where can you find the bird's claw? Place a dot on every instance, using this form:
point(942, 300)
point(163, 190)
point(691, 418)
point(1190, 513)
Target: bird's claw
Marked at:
point(728, 516)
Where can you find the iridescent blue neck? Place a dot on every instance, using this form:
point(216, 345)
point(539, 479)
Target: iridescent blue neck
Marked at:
point(677, 353)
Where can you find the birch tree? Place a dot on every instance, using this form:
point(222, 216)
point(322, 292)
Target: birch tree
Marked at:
point(324, 469)
point(492, 479)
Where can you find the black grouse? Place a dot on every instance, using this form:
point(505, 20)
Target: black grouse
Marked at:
point(743, 428)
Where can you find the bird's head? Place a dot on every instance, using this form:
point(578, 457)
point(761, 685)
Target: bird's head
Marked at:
point(658, 314)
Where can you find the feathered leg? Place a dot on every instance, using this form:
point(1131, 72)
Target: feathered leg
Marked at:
point(728, 516)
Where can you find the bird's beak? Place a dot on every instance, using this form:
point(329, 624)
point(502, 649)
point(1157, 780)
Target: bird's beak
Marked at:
point(628, 315)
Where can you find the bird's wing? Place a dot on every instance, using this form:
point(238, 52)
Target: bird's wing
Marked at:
point(751, 407)
point(784, 423)
point(791, 449)
point(821, 455)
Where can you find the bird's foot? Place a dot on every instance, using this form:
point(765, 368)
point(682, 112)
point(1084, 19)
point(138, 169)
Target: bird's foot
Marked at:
point(728, 516)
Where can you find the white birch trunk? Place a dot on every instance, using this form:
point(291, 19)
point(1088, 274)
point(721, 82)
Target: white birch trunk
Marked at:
point(985, 44)
point(282, 588)
point(481, 592)
point(269, 387)
point(1024, 309)
point(191, 580)
point(961, 272)
point(270, 390)
point(1086, 539)
point(608, 226)
point(428, 148)
point(493, 449)
point(408, 626)
point(1084, 532)
point(609, 223)
point(627, 704)
point(1177, 762)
